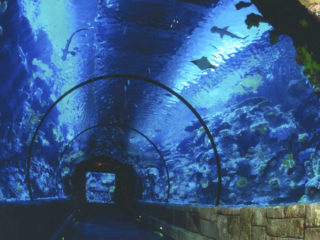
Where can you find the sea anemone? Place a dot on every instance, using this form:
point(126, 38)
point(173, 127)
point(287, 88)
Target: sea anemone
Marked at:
point(242, 182)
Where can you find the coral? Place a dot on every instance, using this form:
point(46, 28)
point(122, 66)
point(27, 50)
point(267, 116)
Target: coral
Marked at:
point(288, 162)
point(263, 164)
point(313, 188)
point(311, 67)
point(274, 182)
point(292, 185)
point(249, 84)
point(242, 182)
point(302, 199)
point(74, 156)
point(283, 132)
point(252, 138)
point(311, 159)
point(15, 186)
point(57, 133)
point(303, 137)
point(65, 171)
point(204, 182)
point(260, 127)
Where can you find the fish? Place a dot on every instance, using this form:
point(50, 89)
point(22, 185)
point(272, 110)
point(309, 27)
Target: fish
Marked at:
point(224, 31)
point(203, 63)
point(23, 58)
point(243, 4)
point(66, 51)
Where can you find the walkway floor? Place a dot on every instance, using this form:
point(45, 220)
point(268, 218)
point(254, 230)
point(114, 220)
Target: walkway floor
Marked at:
point(107, 223)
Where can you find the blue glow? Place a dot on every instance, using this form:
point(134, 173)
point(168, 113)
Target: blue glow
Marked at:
point(100, 187)
point(202, 42)
point(250, 92)
point(57, 20)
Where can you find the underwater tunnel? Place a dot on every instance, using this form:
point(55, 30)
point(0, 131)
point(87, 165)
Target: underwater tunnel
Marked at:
point(160, 119)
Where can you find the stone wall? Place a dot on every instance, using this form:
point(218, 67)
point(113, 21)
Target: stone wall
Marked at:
point(291, 222)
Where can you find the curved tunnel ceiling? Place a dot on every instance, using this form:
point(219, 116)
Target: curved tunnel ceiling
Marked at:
point(128, 78)
point(243, 87)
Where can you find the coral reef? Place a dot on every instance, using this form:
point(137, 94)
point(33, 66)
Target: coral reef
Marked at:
point(311, 158)
point(274, 182)
point(242, 182)
point(263, 148)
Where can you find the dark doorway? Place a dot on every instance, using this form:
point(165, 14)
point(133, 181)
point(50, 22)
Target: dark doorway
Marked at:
point(114, 182)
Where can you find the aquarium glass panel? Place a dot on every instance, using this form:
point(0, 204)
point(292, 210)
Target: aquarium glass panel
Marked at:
point(100, 187)
point(253, 80)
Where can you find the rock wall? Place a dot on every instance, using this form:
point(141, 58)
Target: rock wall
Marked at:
point(290, 222)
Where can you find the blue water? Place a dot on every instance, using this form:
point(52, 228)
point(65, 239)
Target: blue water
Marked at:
point(100, 187)
point(259, 107)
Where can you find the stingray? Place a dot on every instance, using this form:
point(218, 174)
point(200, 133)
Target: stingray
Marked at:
point(203, 63)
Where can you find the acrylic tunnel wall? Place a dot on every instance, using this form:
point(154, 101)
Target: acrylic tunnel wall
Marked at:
point(259, 107)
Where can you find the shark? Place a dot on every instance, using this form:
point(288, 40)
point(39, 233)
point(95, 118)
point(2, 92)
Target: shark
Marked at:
point(224, 31)
point(66, 51)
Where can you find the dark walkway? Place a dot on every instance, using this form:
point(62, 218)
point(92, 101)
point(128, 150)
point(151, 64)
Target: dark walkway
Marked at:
point(107, 223)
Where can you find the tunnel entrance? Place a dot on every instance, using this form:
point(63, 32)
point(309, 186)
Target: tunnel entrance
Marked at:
point(104, 180)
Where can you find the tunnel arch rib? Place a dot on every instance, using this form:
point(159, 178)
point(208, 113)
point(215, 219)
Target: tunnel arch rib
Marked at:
point(127, 127)
point(134, 77)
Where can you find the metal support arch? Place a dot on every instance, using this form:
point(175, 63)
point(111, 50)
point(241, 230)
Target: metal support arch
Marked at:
point(121, 126)
point(134, 77)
